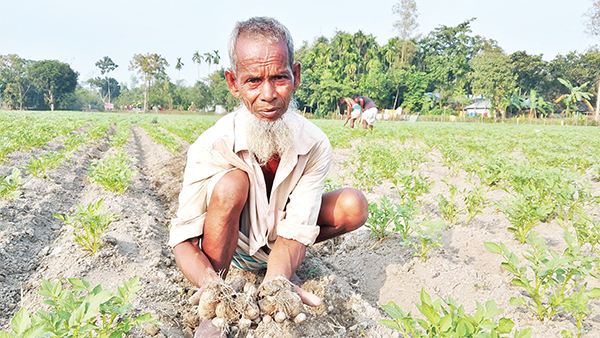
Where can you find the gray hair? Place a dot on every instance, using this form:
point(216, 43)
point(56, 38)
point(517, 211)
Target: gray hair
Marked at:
point(263, 27)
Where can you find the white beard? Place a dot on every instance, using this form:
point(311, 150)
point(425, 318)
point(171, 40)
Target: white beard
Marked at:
point(267, 138)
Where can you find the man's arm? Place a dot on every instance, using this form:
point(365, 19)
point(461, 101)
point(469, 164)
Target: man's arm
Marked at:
point(193, 263)
point(285, 258)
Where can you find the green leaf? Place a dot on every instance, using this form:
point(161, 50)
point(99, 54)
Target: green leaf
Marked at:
point(34, 331)
point(4, 334)
point(446, 323)
point(387, 322)
point(20, 322)
point(520, 282)
point(514, 301)
point(425, 298)
point(505, 325)
point(526, 333)
point(394, 310)
point(594, 293)
point(430, 314)
point(493, 247)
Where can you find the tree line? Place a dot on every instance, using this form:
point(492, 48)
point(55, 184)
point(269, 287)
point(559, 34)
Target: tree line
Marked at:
point(440, 72)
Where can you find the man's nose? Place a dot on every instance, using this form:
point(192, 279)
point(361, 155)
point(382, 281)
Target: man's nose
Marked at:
point(267, 92)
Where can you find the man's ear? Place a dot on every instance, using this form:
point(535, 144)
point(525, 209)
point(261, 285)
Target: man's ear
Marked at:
point(232, 83)
point(296, 71)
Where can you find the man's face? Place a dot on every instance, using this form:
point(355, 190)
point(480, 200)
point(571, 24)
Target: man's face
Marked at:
point(263, 80)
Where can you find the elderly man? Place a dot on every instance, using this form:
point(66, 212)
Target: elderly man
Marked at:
point(252, 192)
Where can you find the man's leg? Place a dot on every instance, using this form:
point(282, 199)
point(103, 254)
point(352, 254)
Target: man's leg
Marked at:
point(342, 211)
point(222, 223)
point(221, 228)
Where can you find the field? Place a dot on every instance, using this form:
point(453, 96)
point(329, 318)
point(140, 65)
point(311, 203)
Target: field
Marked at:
point(447, 200)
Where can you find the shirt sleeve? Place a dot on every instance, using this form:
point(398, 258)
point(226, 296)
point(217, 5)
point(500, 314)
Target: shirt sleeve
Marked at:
point(202, 164)
point(302, 211)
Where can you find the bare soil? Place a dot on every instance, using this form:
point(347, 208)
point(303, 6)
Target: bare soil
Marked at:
point(354, 276)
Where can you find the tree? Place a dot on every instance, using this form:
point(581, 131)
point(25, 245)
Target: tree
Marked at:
point(593, 28)
point(578, 68)
point(106, 66)
point(208, 58)
point(106, 87)
point(532, 72)
point(216, 57)
point(152, 67)
point(493, 76)
point(14, 81)
point(576, 94)
point(197, 58)
point(537, 103)
point(445, 54)
point(406, 26)
point(55, 79)
point(178, 66)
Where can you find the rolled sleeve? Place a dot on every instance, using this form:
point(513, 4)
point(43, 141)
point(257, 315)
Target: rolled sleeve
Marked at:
point(182, 230)
point(305, 234)
point(202, 164)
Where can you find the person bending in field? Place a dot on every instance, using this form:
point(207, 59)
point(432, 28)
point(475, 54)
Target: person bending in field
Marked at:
point(252, 192)
point(369, 109)
point(354, 111)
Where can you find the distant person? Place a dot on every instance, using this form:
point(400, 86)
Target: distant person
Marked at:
point(354, 111)
point(369, 109)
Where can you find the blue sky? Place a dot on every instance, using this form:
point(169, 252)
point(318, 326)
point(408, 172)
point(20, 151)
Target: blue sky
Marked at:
point(80, 32)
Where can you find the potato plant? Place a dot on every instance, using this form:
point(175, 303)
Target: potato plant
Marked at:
point(554, 282)
point(10, 185)
point(88, 224)
point(113, 172)
point(450, 320)
point(80, 311)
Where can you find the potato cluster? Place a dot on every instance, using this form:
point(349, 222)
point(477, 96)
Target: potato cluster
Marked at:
point(238, 303)
point(278, 300)
point(226, 304)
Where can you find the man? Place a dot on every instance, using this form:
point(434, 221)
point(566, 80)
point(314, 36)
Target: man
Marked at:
point(369, 109)
point(252, 192)
point(354, 111)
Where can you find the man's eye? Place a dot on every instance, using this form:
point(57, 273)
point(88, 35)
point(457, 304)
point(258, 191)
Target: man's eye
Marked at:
point(254, 80)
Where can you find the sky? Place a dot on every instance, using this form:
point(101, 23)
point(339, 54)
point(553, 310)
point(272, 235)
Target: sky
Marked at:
point(81, 32)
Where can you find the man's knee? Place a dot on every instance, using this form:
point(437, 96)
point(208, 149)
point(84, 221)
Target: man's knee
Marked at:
point(355, 206)
point(231, 189)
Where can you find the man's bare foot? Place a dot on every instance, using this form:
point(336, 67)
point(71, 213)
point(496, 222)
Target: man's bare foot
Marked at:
point(206, 329)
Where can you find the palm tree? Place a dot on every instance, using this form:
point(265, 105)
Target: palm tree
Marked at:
point(575, 95)
point(208, 58)
point(197, 58)
point(178, 66)
point(216, 57)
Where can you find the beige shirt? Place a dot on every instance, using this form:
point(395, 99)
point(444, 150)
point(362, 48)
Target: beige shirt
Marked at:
point(296, 193)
